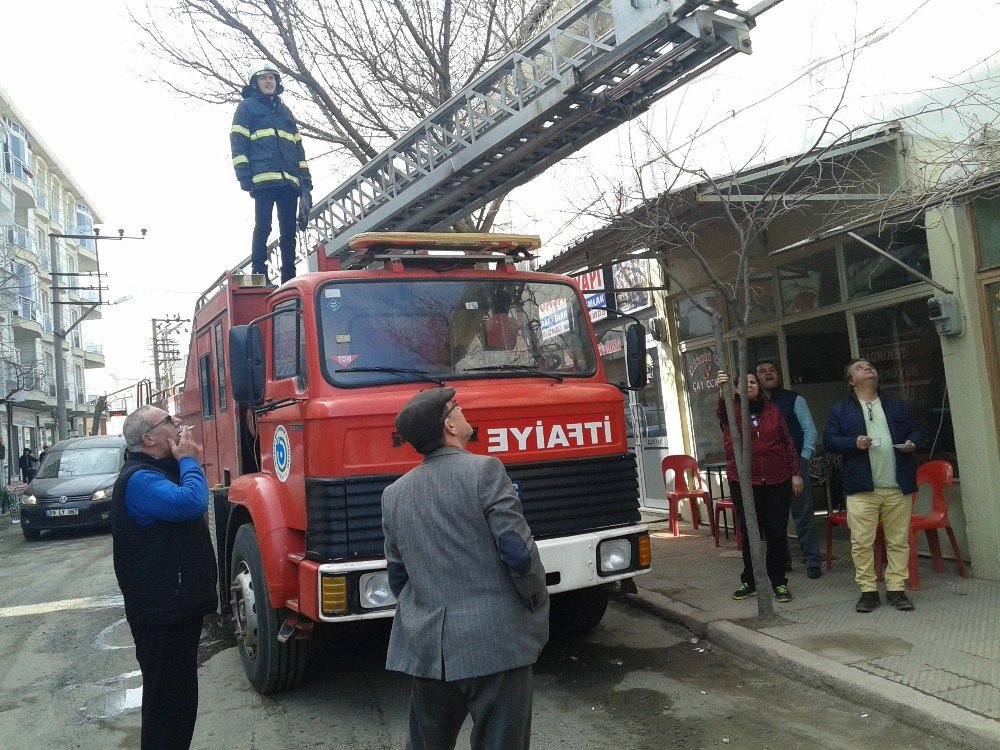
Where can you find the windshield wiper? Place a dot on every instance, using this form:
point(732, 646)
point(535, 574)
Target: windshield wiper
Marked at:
point(422, 374)
point(525, 369)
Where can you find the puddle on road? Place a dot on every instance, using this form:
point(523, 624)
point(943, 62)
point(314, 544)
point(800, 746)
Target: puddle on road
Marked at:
point(114, 704)
point(101, 641)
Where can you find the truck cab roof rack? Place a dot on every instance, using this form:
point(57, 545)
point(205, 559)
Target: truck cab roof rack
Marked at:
point(422, 248)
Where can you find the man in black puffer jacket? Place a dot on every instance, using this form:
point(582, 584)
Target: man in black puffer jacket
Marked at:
point(271, 165)
point(166, 570)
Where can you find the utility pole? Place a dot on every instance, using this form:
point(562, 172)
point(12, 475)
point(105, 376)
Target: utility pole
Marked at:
point(166, 352)
point(58, 334)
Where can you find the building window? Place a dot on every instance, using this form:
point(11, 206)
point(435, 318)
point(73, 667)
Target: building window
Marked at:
point(85, 225)
point(870, 273)
point(220, 367)
point(905, 348)
point(809, 283)
point(17, 156)
point(700, 368)
point(692, 323)
point(987, 219)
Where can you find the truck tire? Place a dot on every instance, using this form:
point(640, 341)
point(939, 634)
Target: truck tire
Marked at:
point(270, 665)
point(577, 612)
point(31, 535)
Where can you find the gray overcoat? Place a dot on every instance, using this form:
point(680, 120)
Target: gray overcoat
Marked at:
point(462, 612)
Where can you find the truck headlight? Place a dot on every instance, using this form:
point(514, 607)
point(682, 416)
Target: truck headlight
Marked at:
point(29, 500)
point(101, 495)
point(374, 590)
point(615, 555)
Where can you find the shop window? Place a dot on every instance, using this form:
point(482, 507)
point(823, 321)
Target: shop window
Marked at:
point(762, 347)
point(761, 297)
point(906, 350)
point(870, 273)
point(987, 219)
point(809, 283)
point(700, 368)
point(692, 323)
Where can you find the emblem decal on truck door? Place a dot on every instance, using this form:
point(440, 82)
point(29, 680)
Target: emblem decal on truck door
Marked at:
point(281, 451)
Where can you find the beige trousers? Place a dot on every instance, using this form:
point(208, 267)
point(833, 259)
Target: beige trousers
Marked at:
point(864, 512)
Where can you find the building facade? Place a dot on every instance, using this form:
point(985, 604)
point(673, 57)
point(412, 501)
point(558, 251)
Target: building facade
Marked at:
point(833, 297)
point(38, 197)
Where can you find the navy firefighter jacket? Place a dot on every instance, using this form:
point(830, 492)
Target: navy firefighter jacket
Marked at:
point(266, 145)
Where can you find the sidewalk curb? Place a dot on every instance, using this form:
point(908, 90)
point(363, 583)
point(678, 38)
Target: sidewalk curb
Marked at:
point(956, 725)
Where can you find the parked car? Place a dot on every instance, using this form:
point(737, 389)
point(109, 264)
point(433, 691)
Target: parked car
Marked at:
point(72, 488)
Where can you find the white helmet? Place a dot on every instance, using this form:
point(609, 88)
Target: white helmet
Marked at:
point(261, 67)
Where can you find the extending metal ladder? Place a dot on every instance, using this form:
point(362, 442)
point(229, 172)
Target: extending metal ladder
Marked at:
point(601, 64)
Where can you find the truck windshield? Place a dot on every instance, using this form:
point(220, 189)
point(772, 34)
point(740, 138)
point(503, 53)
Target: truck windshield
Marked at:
point(379, 332)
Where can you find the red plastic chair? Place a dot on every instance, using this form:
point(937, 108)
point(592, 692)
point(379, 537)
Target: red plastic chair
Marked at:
point(723, 504)
point(940, 476)
point(681, 465)
point(835, 519)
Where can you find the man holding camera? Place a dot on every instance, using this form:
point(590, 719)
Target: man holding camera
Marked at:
point(876, 436)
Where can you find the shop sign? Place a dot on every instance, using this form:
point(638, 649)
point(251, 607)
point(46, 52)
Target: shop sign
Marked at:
point(611, 346)
point(592, 286)
point(701, 370)
point(23, 418)
point(554, 316)
point(631, 274)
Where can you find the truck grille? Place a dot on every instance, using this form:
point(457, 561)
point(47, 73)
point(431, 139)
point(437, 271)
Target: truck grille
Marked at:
point(558, 497)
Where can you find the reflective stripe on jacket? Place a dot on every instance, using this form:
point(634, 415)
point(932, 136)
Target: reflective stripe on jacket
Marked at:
point(266, 145)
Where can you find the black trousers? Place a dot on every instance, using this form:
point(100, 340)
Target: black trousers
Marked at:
point(500, 705)
point(168, 658)
point(772, 503)
point(286, 198)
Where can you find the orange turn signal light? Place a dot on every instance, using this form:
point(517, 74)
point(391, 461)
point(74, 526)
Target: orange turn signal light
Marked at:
point(645, 555)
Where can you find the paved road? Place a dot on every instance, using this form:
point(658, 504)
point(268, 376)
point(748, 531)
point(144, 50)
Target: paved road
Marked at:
point(68, 680)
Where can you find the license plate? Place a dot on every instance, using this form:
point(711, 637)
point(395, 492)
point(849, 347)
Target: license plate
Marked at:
point(63, 512)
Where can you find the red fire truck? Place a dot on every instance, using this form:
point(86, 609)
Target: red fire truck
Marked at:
point(293, 392)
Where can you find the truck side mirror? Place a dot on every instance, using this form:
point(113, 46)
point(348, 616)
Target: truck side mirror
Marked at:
point(635, 356)
point(246, 364)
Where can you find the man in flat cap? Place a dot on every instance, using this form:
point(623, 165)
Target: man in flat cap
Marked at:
point(473, 610)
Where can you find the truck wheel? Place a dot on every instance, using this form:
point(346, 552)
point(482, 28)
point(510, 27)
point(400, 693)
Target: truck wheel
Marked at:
point(270, 665)
point(577, 612)
point(31, 535)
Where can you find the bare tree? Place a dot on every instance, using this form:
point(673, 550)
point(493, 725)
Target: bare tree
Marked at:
point(360, 73)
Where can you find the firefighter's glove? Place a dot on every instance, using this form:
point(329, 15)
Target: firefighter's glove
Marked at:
point(305, 206)
point(246, 184)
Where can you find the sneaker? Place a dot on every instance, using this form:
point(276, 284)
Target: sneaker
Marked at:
point(899, 600)
point(782, 594)
point(744, 592)
point(814, 572)
point(868, 602)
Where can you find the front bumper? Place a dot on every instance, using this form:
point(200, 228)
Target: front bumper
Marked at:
point(88, 514)
point(570, 563)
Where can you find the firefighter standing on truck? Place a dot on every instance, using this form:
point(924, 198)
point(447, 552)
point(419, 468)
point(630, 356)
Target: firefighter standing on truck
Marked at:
point(271, 165)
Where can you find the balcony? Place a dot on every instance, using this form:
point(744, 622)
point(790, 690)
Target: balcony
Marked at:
point(41, 199)
point(18, 236)
point(56, 214)
point(22, 180)
point(93, 355)
point(26, 319)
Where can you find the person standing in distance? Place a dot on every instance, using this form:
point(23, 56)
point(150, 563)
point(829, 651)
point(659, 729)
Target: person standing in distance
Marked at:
point(473, 611)
point(876, 436)
point(271, 165)
point(799, 419)
point(165, 567)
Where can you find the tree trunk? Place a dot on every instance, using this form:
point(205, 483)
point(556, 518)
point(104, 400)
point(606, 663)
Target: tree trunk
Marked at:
point(741, 453)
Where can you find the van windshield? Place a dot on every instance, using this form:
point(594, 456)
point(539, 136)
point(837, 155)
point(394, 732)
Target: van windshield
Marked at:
point(376, 332)
point(82, 462)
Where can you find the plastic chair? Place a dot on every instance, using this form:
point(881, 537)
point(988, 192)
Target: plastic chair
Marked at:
point(723, 504)
point(680, 465)
point(939, 475)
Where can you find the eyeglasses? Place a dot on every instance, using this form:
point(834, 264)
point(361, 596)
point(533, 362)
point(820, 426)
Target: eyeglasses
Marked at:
point(871, 415)
point(451, 409)
point(166, 420)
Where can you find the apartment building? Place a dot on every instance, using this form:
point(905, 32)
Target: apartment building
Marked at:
point(38, 197)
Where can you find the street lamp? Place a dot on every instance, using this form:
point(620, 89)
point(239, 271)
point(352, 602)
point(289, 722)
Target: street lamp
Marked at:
point(58, 335)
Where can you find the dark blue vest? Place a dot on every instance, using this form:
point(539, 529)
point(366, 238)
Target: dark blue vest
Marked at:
point(166, 570)
point(784, 399)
